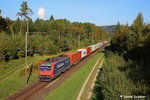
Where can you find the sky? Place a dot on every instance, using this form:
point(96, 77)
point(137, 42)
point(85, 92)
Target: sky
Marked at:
point(99, 12)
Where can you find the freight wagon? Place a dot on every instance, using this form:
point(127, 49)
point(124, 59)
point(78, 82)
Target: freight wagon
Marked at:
point(89, 50)
point(101, 44)
point(93, 48)
point(105, 42)
point(97, 45)
point(75, 56)
point(83, 52)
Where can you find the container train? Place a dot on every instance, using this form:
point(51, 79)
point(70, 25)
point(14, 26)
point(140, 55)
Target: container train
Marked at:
point(53, 67)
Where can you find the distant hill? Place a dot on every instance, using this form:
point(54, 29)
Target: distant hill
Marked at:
point(109, 28)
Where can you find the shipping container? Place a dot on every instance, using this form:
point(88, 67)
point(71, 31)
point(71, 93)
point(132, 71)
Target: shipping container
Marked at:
point(83, 52)
point(97, 45)
point(105, 42)
point(74, 56)
point(101, 44)
point(93, 47)
point(89, 49)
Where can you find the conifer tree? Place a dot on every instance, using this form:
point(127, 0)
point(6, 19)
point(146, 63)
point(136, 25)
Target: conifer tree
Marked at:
point(118, 28)
point(24, 12)
point(136, 30)
point(51, 18)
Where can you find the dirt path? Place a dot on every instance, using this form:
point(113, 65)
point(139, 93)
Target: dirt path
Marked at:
point(93, 82)
point(84, 84)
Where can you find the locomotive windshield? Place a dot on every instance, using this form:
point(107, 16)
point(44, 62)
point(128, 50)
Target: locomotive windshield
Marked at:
point(45, 66)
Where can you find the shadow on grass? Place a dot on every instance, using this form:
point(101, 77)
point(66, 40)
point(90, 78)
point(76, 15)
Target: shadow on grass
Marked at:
point(30, 73)
point(101, 51)
point(107, 48)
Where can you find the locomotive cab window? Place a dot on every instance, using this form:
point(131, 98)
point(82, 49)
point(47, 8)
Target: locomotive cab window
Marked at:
point(45, 66)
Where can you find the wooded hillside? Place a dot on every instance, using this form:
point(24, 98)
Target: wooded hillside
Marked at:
point(45, 36)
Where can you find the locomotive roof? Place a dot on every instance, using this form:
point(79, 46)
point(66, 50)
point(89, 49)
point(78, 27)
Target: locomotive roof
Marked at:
point(56, 59)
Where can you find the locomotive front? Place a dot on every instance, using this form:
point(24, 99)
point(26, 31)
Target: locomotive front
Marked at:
point(45, 71)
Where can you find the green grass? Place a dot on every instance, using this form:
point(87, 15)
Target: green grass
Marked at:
point(11, 66)
point(96, 92)
point(87, 88)
point(71, 87)
point(15, 82)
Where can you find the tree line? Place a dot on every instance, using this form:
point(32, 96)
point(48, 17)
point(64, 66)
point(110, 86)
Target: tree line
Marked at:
point(133, 41)
point(45, 36)
point(133, 44)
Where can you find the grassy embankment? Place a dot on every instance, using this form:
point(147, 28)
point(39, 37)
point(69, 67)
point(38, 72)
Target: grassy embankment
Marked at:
point(71, 87)
point(116, 79)
point(8, 68)
point(87, 88)
point(14, 80)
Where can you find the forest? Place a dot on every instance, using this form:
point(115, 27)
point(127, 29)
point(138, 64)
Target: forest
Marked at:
point(50, 36)
point(127, 66)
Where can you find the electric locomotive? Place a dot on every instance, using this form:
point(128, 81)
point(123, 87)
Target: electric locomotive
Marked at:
point(53, 67)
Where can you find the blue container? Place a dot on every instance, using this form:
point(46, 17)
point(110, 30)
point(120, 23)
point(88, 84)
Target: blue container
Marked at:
point(97, 46)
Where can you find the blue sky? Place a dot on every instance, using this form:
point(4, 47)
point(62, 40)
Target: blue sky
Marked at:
point(99, 12)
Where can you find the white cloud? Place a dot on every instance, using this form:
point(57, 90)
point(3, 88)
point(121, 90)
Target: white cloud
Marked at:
point(41, 13)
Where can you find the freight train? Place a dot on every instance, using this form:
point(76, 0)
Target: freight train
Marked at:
point(53, 67)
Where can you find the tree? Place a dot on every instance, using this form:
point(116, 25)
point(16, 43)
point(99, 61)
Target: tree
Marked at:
point(3, 23)
point(24, 12)
point(137, 29)
point(118, 28)
point(51, 18)
point(39, 25)
point(138, 23)
point(16, 26)
point(31, 28)
point(90, 31)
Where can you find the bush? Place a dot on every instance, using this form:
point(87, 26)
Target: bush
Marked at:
point(114, 80)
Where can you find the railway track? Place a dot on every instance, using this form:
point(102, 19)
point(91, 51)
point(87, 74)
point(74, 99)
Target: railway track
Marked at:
point(24, 95)
point(38, 90)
